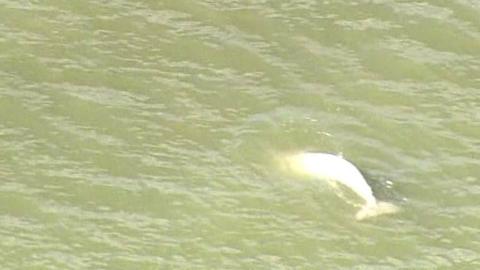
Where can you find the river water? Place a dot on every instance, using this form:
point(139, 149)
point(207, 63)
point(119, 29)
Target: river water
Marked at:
point(147, 134)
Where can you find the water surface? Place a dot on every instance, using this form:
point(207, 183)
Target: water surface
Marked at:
point(146, 134)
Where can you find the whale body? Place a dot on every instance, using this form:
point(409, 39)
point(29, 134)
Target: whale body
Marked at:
point(335, 168)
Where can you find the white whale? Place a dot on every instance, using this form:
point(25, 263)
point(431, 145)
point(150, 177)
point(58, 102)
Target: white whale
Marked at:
point(336, 168)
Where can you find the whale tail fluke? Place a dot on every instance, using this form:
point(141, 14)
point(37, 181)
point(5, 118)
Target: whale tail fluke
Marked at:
point(380, 208)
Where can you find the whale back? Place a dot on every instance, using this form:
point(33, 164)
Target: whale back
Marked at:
point(372, 210)
point(334, 168)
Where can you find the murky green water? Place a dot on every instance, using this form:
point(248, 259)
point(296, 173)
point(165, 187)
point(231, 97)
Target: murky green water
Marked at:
point(145, 134)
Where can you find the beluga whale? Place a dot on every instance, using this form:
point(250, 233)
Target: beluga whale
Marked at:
point(336, 169)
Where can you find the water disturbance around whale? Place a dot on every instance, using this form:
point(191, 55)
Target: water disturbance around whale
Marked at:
point(335, 168)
